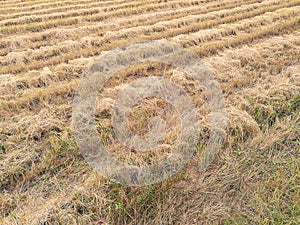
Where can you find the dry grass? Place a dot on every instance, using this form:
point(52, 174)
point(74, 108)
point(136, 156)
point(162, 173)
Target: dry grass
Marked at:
point(253, 48)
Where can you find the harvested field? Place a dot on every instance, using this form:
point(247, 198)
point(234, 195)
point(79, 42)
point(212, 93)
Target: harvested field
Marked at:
point(253, 48)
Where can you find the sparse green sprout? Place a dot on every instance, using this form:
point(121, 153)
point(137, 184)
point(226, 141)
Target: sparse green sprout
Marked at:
point(2, 149)
point(238, 152)
point(118, 206)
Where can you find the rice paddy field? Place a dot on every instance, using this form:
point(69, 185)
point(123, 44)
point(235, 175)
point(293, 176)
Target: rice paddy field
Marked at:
point(253, 48)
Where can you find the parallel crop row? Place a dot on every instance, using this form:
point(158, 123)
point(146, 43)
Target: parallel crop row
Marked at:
point(54, 35)
point(98, 16)
point(81, 11)
point(141, 33)
point(30, 6)
point(36, 95)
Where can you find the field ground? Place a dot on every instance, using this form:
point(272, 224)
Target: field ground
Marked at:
point(252, 46)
